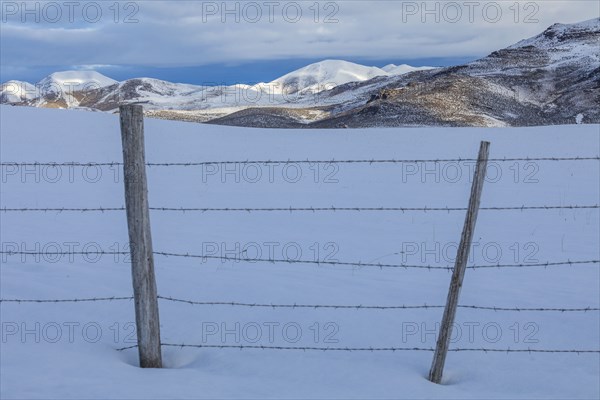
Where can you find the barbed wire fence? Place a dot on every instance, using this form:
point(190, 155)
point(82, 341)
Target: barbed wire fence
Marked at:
point(590, 310)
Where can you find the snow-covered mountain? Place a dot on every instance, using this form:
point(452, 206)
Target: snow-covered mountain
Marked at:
point(64, 89)
point(328, 74)
point(324, 75)
point(393, 69)
point(74, 81)
point(551, 78)
point(558, 35)
point(61, 89)
point(17, 92)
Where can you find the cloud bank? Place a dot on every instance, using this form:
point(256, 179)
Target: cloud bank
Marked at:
point(195, 33)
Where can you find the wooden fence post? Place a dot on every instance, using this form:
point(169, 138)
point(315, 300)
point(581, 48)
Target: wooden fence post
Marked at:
point(140, 238)
point(443, 342)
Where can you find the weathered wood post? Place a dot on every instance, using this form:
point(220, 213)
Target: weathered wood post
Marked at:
point(140, 238)
point(462, 256)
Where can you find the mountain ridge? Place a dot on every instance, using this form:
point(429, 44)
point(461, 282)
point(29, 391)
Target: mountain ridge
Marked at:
point(311, 79)
point(550, 78)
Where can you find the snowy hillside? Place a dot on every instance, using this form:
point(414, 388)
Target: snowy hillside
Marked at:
point(403, 69)
point(17, 91)
point(328, 74)
point(75, 81)
point(68, 350)
point(557, 41)
point(558, 34)
point(61, 89)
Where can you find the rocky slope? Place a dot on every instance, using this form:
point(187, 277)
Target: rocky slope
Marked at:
point(552, 78)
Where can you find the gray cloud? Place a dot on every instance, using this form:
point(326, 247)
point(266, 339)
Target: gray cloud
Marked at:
point(180, 33)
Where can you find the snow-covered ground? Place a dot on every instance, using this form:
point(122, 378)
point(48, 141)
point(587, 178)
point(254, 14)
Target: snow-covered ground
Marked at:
point(83, 363)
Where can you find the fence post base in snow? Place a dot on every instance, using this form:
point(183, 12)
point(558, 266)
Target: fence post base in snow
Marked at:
point(140, 238)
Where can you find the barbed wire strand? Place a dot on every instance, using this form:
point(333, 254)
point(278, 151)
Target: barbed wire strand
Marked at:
point(291, 261)
point(83, 300)
point(310, 306)
point(377, 265)
point(290, 161)
point(375, 307)
point(302, 209)
point(363, 349)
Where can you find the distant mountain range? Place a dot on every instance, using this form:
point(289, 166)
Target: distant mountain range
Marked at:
point(552, 78)
point(90, 89)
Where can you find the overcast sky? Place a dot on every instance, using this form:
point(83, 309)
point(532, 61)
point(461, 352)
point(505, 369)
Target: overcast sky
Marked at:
point(252, 41)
